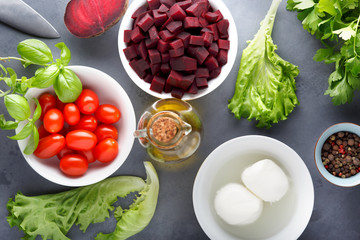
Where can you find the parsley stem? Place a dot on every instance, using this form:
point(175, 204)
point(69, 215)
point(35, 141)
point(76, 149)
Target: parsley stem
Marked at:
point(4, 59)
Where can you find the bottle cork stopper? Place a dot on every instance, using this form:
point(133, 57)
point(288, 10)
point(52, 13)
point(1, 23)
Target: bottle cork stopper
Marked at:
point(164, 129)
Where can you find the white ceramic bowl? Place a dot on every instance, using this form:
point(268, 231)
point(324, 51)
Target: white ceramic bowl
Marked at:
point(108, 91)
point(282, 220)
point(127, 23)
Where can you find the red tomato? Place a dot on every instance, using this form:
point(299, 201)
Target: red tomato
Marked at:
point(53, 120)
point(49, 146)
point(65, 151)
point(47, 101)
point(87, 122)
point(106, 150)
point(89, 155)
point(73, 165)
point(87, 102)
point(81, 140)
point(106, 131)
point(42, 132)
point(107, 113)
point(59, 104)
point(71, 114)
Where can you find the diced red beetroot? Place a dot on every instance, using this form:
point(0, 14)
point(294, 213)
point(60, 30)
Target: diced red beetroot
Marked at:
point(193, 88)
point(176, 52)
point(191, 22)
point(196, 40)
point(220, 16)
point(148, 78)
point(165, 57)
point(214, 30)
point(130, 52)
point(146, 22)
point(159, 18)
point(201, 82)
point(224, 44)
point(204, 30)
point(143, 65)
point(178, 80)
point(157, 84)
point(185, 37)
point(153, 33)
point(137, 35)
point(203, 22)
point(138, 11)
point(142, 50)
point(211, 17)
point(196, 9)
point(154, 56)
point(155, 68)
point(213, 49)
point(173, 78)
point(168, 88)
point(177, 93)
point(183, 63)
point(168, 3)
point(222, 57)
point(136, 66)
point(191, 51)
point(175, 27)
point(153, 4)
point(211, 63)
point(151, 43)
point(166, 35)
point(201, 54)
point(177, 13)
point(163, 8)
point(176, 44)
point(127, 36)
point(215, 73)
point(165, 68)
point(202, 73)
point(162, 46)
point(208, 39)
point(186, 81)
point(185, 4)
point(169, 20)
point(222, 27)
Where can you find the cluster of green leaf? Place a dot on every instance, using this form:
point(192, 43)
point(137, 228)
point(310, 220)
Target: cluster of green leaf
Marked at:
point(51, 216)
point(335, 23)
point(265, 86)
point(66, 84)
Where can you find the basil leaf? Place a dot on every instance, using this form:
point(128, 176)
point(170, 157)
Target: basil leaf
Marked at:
point(12, 74)
point(7, 125)
point(17, 106)
point(24, 133)
point(35, 51)
point(67, 86)
point(65, 54)
point(38, 110)
point(47, 77)
point(33, 141)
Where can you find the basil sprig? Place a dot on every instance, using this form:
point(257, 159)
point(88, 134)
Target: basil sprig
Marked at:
point(66, 84)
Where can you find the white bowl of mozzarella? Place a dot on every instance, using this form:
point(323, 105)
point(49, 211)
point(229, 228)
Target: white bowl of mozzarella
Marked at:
point(231, 202)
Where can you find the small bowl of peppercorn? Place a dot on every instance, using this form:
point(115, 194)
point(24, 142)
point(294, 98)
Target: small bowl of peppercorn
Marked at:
point(337, 154)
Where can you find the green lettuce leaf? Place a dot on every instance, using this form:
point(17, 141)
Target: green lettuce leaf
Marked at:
point(265, 86)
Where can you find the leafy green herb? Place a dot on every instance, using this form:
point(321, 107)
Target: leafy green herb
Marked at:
point(51, 216)
point(51, 73)
point(335, 23)
point(265, 86)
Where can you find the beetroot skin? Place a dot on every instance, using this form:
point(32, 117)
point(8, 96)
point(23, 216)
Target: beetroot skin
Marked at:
point(90, 18)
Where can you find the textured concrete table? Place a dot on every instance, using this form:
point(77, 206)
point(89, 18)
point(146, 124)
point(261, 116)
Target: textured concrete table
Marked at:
point(336, 210)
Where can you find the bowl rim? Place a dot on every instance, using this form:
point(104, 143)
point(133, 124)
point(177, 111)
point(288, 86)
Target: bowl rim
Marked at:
point(298, 221)
point(79, 181)
point(213, 84)
point(340, 182)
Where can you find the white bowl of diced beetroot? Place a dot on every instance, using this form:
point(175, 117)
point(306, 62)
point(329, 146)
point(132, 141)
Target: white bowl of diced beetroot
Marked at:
point(183, 49)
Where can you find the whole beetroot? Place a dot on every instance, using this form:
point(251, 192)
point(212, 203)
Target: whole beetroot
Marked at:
point(90, 18)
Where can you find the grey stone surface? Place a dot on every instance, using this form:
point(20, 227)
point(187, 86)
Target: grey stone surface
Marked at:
point(336, 210)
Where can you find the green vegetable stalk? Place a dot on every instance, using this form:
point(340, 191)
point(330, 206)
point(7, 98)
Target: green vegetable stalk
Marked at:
point(335, 23)
point(265, 86)
point(66, 84)
point(51, 216)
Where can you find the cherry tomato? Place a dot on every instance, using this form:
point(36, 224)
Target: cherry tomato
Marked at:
point(53, 120)
point(49, 146)
point(73, 165)
point(107, 113)
point(106, 131)
point(59, 104)
point(71, 114)
point(81, 140)
point(87, 102)
point(87, 122)
point(42, 131)
point(89, 155)
point(65, 151)
point(47, 101)
point(106, 150)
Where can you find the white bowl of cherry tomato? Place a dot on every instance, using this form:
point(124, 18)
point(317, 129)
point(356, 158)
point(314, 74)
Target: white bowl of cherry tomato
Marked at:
point(82, 142)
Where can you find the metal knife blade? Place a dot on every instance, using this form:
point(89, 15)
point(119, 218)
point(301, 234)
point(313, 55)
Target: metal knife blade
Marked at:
point(21, 16)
